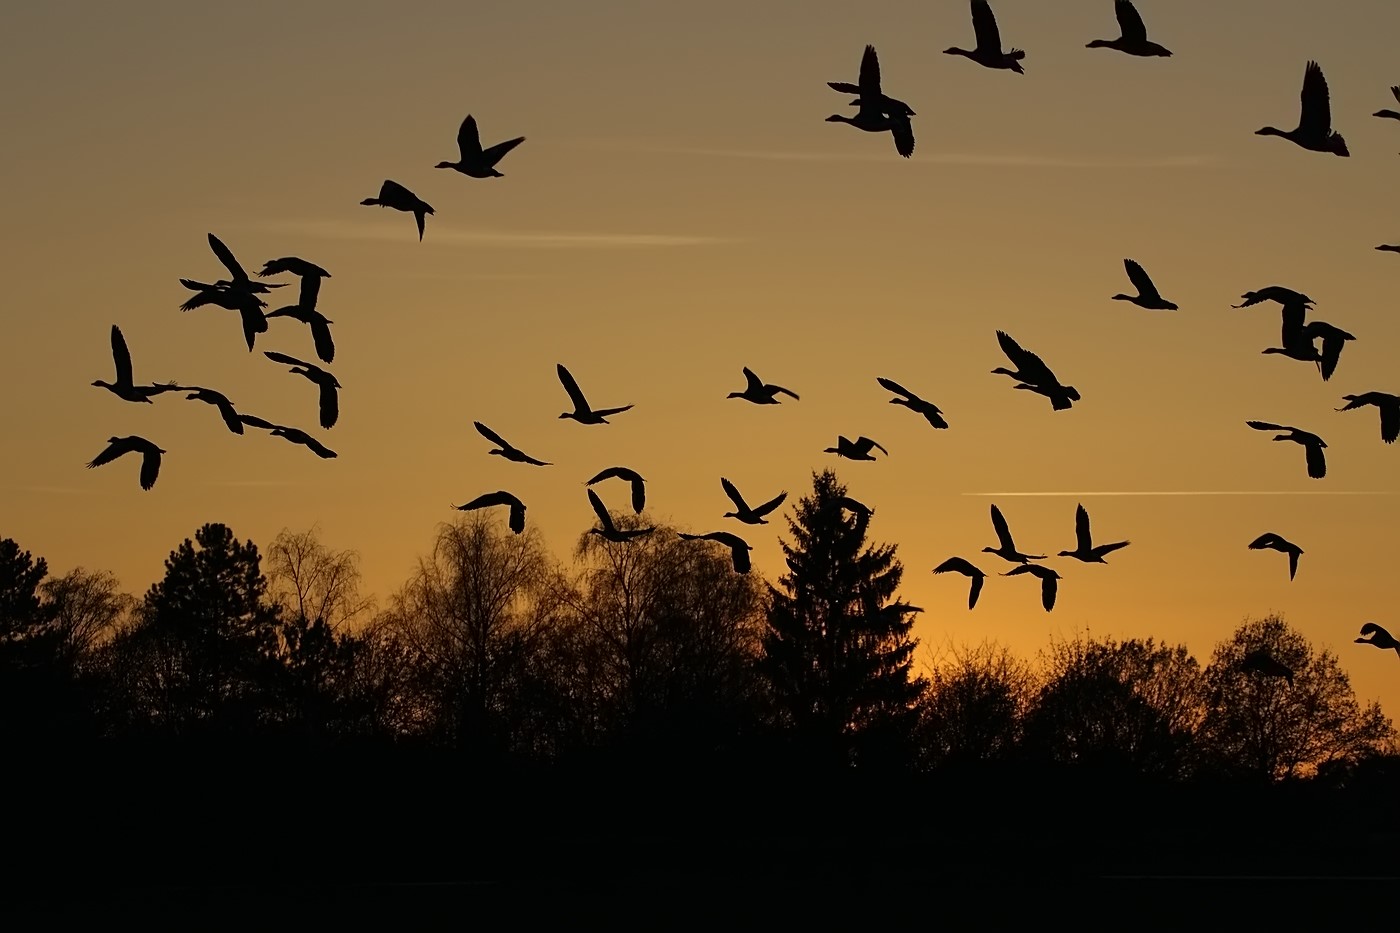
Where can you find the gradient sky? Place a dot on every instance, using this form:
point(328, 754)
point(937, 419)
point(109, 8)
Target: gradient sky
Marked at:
point(680, 210)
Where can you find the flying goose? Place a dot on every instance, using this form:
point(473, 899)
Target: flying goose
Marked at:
point(958, 565)
point(869, 86)
point(1333, 340)
point(517, 508)
point(1084, 548)
point(1147, 297)
point(392, 194)
point(1389, 406)
point(639, 489)
point(309, 273)
point(742, 511)
point(295, 435)
point(1260, 661)
point(506, 450)
point(248, 305)
point(1048, 582)
point(150, 456)
point(1284, 296)
point(988, 51)
point(1006, 547)
point(1297, 345)
point(125, 388)
point(1314, 130)
point(877, 113)
point(738, 547)
point(582, 413)
point(474, 161)
point(1134, 34)
point(1312, 444)
point(238, 280)
point(857, 450)
point(760, 392)
point(330, 404)
point(608, 529)
point(911, 401)
point(1390, 114)
point(319, 324)
point(1275, 542)
point(1034, 375)
point(232, 419)
point(1379, 637)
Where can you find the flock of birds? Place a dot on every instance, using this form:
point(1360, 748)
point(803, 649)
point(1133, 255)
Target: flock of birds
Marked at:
point(1316, 342)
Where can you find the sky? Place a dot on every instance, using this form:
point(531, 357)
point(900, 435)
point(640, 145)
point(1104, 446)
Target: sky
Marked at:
point(680, 209)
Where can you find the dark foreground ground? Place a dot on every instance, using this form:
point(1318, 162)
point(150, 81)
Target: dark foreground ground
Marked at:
point(214, 840)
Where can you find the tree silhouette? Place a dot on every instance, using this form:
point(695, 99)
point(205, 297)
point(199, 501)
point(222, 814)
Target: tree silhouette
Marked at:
point(973, 709)
point(1267, 728)
point(309, 580)
point(837, 650)
point(31, 673)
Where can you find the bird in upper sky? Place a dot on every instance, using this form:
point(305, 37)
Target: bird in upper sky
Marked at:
point(869, 86)
point(320, 329)
point(1006, 547)
point(930, 411)
point(295, 435)
point(1284, 296)
point(1133, 39)
point(582, 413)
point(749, 516)
point(506, 450)
point(855, 450)
point(1147, 297)
point(958, 565)
point(760, 392)
point(608, 530)
point(1297, 345)
point(486, 500)
point(1270, 541)
point(1390, 114)
point(1084, 548)
point(232, 419)
point(1260, 661)
point(1389, 249)
point(1034, 375)
point(330, 404)
point(1049, 582)
point(988, 51)
point(639, 489)
point(738, 547)
point(877, 113)
point(392, 194)
point(474, 161)
point(1314, 130)
point(1379, 637)
point(1312, 444)
point(125, 388)
point(1389, 406)
point(118, 446)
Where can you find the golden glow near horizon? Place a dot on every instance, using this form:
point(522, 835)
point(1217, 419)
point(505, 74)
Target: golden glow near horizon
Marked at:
point(679, 210)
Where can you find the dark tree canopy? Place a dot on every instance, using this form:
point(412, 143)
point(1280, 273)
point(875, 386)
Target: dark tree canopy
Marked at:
point(838, 649)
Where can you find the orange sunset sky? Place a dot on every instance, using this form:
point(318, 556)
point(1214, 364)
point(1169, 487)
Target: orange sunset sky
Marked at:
point(679, 210)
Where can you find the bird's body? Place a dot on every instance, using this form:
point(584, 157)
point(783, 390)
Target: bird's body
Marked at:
point(738, 547)
point(1389, 407)
point(1312, 444)
point(1147, 297)
point(1378, 637)
point(118, 446)
point(966, 568)
point(760, 392)
point(1133, 38)
point(930, 411)
point(876, 113)
point(328, 384)
point(859, 449)
point(1049, 582)
point(1273, 542)
point(1006, 547)
point(1084, 549)
point(609, 530)
point(1034, 375)
point(988, 52)
point(501, 497)
point(1314, 131)
point(125, 387)
point(474, 161)
point(392, 194)
point(1260, 661)
point(505, 450)
point(639, 489)
point(749, 516)
point(582, 413)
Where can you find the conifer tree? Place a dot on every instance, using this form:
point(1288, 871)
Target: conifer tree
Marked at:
point(838, 649)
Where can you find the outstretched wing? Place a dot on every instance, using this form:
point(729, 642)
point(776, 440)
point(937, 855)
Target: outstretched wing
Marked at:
point(468, 139)
point(1390, 423)
point(639, 494)
point(490, 435)
point(225, 255)
point(896, 388)
point(1081, 529)
point(1002, 530)
point(495, 153)
point(121, 356)
point(321, 336)
point(1267, 540)
point(1317, 462)
point(755, 384)
point(733, 493)
point(114, 450)
point(869, 74)
point(289, 360)
point(330, 405)
point(1048, 587)
point(1140, 279)
point(150, 466)
point(600, 510)
point(1267, 426)
point(571, 387)
point(903, 132)
point(1032, 366)
point(486, 500)
point(310, 291)
point(1130, 21)
point(984, 25)
point(770, 505)
point(975, 590)
point(1316, 118)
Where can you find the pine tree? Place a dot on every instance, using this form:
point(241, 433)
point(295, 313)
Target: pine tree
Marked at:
point(838, 649)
